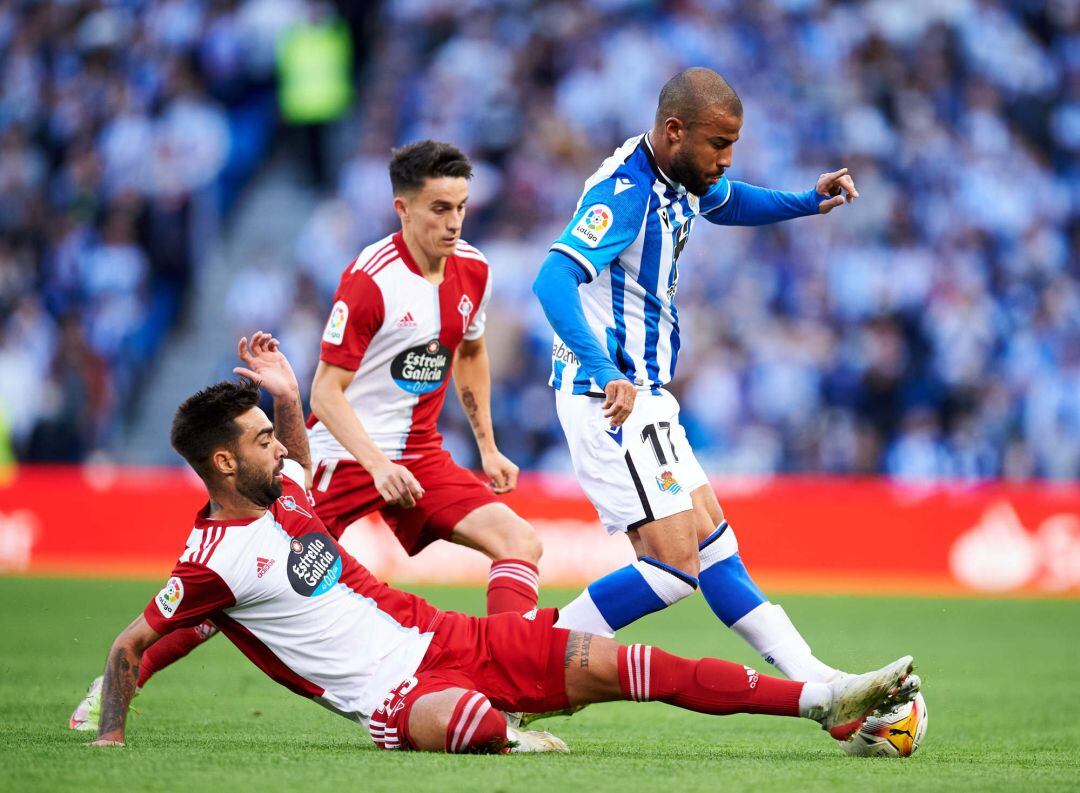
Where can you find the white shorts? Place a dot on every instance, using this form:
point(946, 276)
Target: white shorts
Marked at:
point(641, 473)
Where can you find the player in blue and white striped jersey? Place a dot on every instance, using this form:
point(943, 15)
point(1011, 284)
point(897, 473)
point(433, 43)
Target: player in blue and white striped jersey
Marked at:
point(608, 288)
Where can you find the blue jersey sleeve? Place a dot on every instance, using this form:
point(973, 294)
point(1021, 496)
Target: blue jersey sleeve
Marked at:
point(607, 221)
point(740, 204)
point(556, 287)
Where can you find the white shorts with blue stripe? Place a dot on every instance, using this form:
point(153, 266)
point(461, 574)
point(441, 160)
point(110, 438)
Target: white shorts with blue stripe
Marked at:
point(643, 472)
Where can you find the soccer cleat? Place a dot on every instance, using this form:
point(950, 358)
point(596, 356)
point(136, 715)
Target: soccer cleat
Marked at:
point(534, 741)
point(86, 714)
point(525, 719)
point(854, 697)
point(85, 717)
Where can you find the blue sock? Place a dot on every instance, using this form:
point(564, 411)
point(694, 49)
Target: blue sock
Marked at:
point(626, 595)
point(727, 587)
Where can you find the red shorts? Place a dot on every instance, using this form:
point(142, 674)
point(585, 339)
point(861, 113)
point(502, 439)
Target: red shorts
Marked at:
point(515, 661)
point(344, 492)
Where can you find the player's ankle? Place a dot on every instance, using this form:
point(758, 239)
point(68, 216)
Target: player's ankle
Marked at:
point(815, 700)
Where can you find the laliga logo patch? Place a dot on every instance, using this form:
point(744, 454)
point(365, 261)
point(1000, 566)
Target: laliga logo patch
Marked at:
point(168, 599)
point(335, 326)
point(667, 482)
point(594, 224)
point(314, 564)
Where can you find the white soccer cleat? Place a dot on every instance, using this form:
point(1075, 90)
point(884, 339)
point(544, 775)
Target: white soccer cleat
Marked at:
point(88, 712)
point(85, 717)
point(854, 697)
point(534, 741)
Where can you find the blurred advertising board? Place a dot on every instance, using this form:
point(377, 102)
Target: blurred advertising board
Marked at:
point(796, 533)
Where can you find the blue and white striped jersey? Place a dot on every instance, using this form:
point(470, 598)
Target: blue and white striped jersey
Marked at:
point(628, 230)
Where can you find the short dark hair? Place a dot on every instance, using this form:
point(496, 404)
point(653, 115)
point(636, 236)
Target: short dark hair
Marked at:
point(692, 90)
point(205, 421)
point(411, 165)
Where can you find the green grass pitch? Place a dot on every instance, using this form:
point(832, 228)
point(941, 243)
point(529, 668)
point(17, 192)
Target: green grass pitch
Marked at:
point(1001, 679)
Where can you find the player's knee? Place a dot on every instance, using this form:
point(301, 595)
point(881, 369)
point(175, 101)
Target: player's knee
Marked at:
point(718, 546)
point(475, 727)
point(519, 541)
point(685, 560)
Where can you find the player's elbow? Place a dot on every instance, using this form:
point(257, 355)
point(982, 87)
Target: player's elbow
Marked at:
point(322, 389)
point(538, 286)
point(316, 400)
point(545, 286)
point(134, 640)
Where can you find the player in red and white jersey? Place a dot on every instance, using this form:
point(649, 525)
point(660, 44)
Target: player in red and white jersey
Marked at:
point(262, 566)
point(410, 308)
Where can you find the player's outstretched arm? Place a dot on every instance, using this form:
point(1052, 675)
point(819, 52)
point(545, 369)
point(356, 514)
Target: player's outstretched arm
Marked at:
point(121, 676)
point(267, 365)
point(395, 483)
point(472, 378)
point(742, 204)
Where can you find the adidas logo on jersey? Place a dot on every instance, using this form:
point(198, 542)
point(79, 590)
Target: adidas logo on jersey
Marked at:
point(262, 565)
point(407, 321)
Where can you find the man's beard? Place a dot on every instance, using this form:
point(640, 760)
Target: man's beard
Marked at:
point(256, 486)
point(685, 174)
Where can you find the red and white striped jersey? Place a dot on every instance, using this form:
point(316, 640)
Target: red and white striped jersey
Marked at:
point(298, 606)
point(398, 332)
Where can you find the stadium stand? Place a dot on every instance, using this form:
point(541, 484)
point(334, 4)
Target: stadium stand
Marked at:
point(931, 330)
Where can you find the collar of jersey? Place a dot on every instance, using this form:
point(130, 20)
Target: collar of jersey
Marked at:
point(646, 146)
point(405, 254)
point(410, 262)
point(202, 521)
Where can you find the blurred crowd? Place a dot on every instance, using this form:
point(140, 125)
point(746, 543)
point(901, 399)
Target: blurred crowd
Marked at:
point(931, 329)
point(126, 128)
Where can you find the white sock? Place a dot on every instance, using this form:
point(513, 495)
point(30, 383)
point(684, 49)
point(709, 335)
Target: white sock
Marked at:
point(769, 630)
point(581, 614)
point(815, 700)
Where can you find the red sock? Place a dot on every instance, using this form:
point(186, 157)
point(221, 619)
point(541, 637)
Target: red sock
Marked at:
point(171, 648)
point(708, 685)
point(513, 585)
point(475, 727)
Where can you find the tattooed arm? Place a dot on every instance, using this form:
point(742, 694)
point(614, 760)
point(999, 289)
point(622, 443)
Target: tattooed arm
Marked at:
point(121, 675)
point(290, 430)
point(472, 377)
point(267, 365)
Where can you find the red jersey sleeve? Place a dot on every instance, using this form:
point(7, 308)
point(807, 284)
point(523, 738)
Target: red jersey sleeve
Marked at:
point(193, 594)
point(356, 316)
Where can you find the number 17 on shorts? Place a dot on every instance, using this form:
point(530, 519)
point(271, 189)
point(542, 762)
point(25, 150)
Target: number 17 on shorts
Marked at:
point(637, 473)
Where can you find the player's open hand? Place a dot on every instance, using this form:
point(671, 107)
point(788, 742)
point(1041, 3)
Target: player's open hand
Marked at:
point(396, 484)
point(840, 188)
point(502, 473)
point(619, 396)
point(266, 364)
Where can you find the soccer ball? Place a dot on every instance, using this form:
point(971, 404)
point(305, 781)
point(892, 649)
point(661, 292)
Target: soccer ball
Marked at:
point(897, 733)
